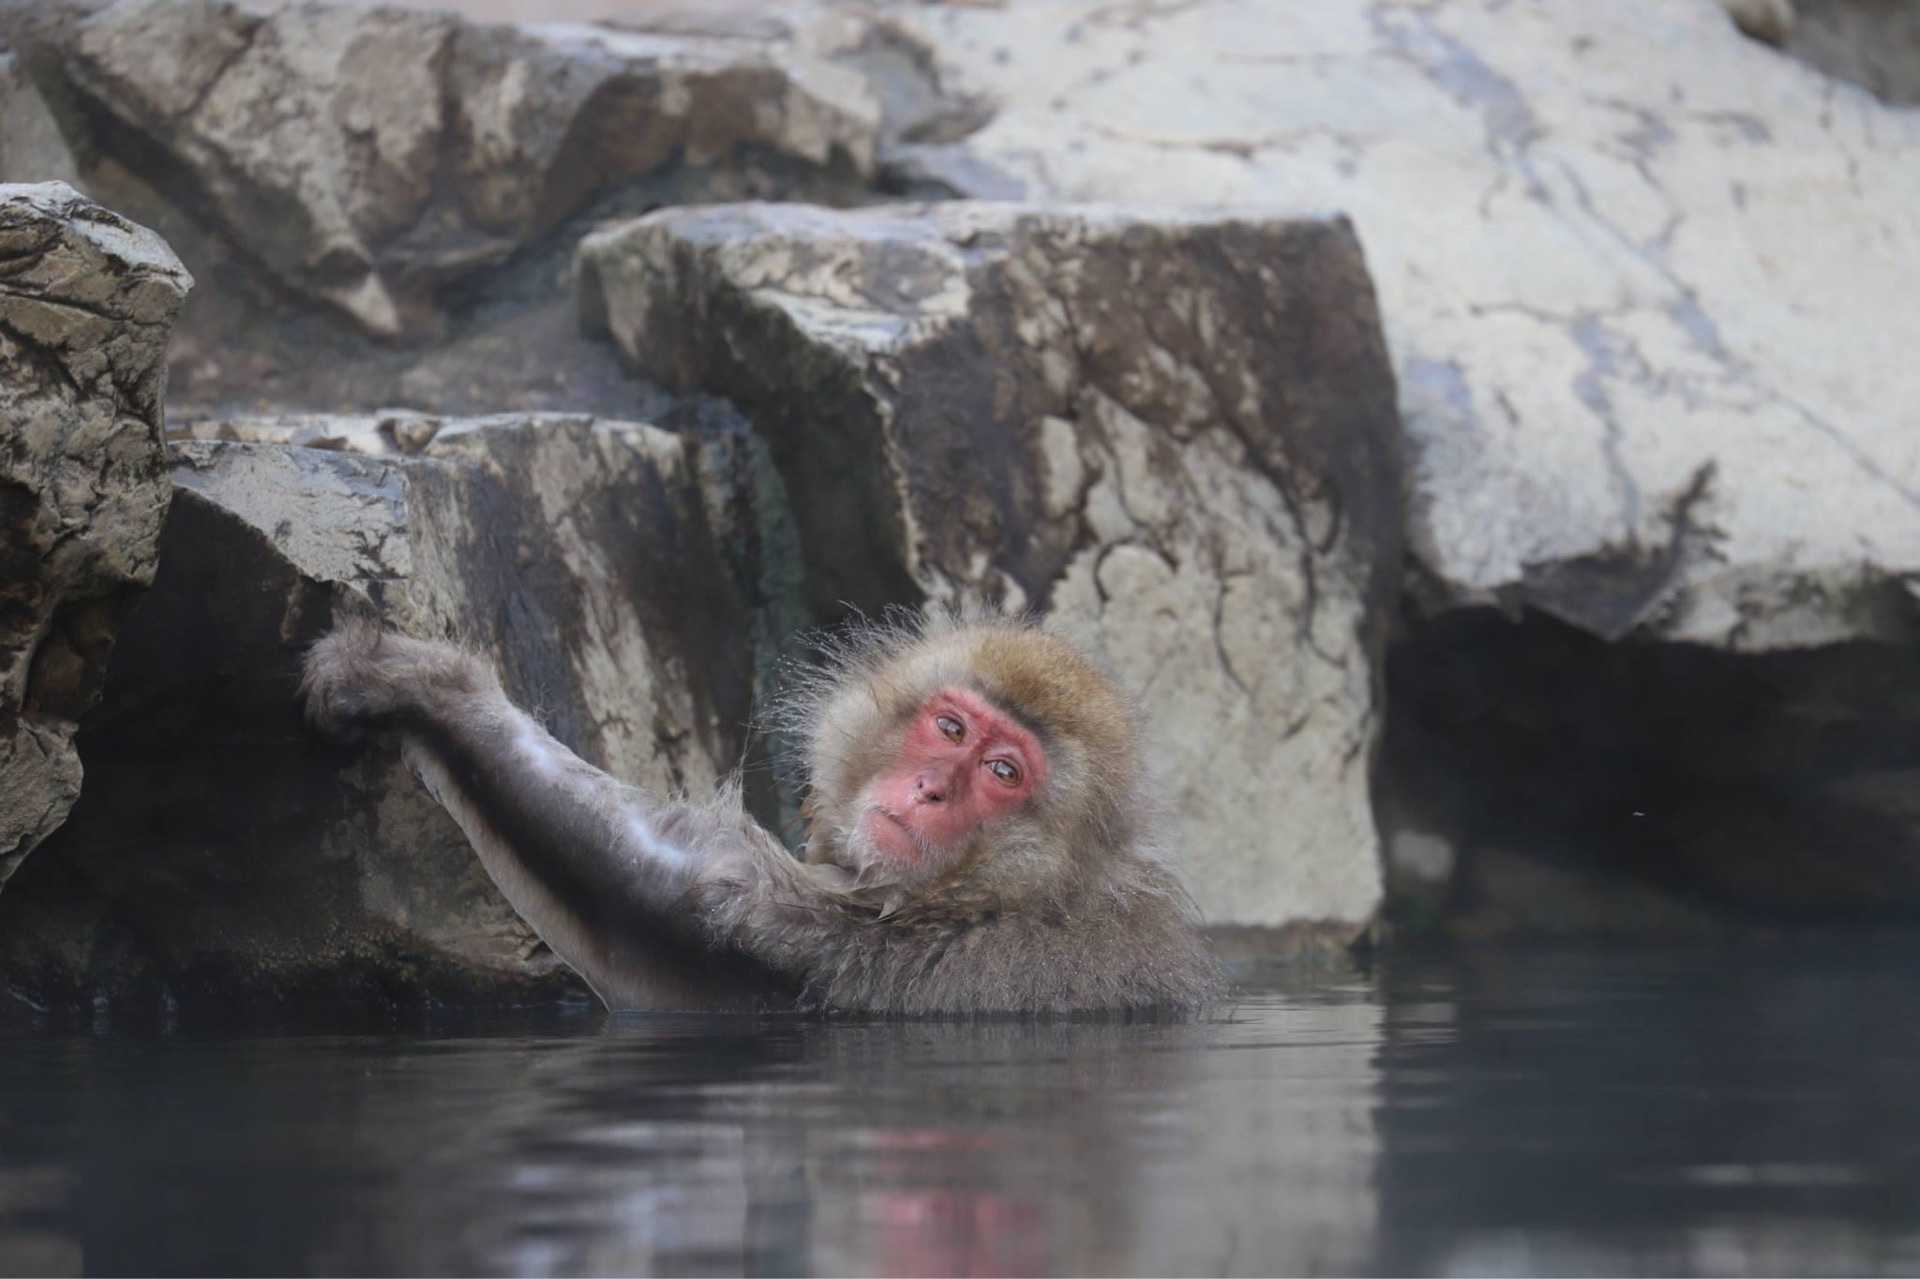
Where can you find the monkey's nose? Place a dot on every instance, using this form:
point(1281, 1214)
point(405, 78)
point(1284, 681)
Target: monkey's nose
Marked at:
point(928, 792)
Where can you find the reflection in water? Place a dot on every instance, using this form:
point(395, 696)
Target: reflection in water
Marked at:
point(1749, 1111)
point(1501, 1115)
point(717, 1145)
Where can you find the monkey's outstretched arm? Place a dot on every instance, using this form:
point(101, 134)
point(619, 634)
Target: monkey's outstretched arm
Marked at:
point(602, 872)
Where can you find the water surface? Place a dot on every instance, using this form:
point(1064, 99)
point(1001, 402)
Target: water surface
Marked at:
point(1731, 1111)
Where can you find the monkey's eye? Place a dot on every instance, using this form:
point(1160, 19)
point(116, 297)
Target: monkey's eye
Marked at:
point(1005, 770)
point(949, 727)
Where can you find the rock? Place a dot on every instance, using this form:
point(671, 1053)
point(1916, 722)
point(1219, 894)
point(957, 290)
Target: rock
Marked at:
point(31, 146)
point(1767, 21)
point(86, 299)
point(368, 156)
point(1648, 283)
point(393, 433)
point(1872, 43)
point(612, 568)
point(1175, 432)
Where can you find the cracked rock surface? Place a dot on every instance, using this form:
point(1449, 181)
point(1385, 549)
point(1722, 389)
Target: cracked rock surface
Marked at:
point(611, 569)
point(86, 301)
point(368, 156)
point(1647, 283)
point(1176, 433)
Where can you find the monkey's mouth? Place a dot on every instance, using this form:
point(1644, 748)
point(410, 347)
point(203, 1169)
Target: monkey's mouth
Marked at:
point(906, 843)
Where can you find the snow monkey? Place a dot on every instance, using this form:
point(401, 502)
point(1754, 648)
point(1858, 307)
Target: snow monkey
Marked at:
point(977, 841)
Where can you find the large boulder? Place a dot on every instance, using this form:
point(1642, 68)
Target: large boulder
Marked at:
point(1648, 283)
point(1176, 433)
point(367, 155)
point(86, 300)
point(612, 569)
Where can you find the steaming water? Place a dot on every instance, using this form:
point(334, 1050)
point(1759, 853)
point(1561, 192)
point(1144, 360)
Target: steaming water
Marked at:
point(1691, 1111)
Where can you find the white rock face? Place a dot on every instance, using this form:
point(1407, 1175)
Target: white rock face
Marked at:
point(1260, 699)
point(1649, 285)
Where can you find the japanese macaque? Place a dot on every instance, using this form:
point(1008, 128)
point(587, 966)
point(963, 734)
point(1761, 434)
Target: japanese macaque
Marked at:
point(977, 839)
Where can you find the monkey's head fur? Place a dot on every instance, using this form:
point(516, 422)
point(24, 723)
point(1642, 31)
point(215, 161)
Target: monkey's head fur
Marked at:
point(1056, 812)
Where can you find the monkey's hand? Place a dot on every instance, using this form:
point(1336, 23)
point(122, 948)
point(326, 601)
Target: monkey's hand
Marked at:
point(361, 677)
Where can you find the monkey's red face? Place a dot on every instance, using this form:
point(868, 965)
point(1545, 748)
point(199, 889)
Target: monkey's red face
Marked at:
point(961, 763)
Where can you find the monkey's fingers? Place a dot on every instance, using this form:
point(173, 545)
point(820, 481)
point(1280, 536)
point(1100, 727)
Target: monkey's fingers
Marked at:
point(361, 676)
point(340, 686)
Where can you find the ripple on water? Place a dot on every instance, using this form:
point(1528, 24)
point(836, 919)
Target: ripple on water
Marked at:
point(1489, 1113)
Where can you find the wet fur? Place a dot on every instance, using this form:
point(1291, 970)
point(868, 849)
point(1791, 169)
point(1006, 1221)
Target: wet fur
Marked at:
point(1071, 908)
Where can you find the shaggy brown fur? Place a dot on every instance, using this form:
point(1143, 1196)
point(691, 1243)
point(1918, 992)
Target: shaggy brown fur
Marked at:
point(1067, 905)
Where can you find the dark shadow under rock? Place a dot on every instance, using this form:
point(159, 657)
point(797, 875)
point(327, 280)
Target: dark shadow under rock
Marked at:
point(1537, 779)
